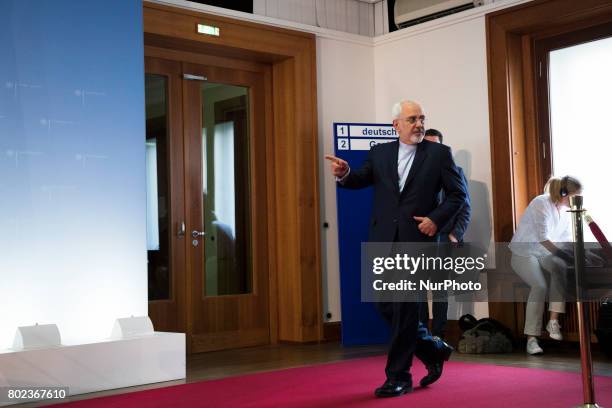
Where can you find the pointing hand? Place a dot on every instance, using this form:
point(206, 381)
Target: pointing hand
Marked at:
point(339, 167)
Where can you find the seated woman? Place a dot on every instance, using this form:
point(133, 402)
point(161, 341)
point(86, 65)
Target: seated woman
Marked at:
point(535, 251)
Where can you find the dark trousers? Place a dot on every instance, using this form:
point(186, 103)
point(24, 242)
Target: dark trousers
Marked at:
point(439, 318)
point(408, 337)
point(439, 306)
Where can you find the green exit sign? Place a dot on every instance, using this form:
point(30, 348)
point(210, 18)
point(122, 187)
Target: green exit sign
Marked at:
point(208, 30)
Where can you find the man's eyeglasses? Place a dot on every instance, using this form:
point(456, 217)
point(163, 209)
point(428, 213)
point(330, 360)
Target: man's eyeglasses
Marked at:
point(413, 119)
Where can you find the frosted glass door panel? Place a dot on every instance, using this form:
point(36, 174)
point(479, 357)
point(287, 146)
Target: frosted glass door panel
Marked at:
point(225, 186)
point(580, 89)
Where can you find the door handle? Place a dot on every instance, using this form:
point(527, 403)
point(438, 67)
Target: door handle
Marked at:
point(197, 234)
point(193, 77)
point(181, 230)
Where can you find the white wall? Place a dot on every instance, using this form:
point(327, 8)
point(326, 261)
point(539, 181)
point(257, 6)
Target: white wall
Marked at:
point(345, 93)
point(445, 69)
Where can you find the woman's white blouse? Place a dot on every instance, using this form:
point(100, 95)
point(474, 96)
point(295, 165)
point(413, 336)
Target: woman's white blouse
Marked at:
point(540, 222)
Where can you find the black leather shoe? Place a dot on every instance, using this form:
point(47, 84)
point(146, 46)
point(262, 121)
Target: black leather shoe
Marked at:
point(445, 351)
point(393, 389)
point(434, 370)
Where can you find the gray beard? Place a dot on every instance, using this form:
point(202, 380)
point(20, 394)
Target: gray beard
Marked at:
point(416, 139)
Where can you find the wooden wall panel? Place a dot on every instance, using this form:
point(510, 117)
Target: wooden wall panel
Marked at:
point(272, 208)
point(518, 146)
point(236, 36)
point(308, 207)
point(532, 139)
point(284, 171)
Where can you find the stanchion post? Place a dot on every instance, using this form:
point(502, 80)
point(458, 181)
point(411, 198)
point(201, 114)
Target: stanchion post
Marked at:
point(583, 312)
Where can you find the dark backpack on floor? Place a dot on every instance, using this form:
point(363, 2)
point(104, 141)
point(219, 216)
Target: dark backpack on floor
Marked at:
point(484, 336)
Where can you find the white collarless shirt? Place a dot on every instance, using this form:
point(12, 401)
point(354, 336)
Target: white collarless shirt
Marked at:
point(541, 221)
point(405, 157)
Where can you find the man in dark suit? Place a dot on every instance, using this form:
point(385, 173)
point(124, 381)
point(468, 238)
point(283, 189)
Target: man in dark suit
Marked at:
point(407, 176)
point(452, 231)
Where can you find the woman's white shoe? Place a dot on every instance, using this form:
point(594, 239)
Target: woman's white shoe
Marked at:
point(554, 330)
point(533, 347)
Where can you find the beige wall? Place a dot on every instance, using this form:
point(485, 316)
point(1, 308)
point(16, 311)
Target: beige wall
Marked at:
point(345, 93)
point(445, 69)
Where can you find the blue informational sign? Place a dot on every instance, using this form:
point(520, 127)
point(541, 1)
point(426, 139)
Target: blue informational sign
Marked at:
point(361, 323)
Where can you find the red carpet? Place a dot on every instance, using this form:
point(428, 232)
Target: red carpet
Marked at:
point(352, 383)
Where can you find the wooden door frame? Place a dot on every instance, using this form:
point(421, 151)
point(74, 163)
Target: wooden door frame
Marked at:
point(516, 148)
point(288, 59)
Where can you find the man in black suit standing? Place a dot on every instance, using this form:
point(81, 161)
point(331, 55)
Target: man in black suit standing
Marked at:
point(451, 232)
point(407, 176)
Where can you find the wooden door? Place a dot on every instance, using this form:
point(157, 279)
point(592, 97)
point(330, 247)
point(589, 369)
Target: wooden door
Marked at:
point(165, 195)
point(226, 208)
point(206, 204)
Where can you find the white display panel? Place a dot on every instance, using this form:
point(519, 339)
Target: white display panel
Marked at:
point(72, 167)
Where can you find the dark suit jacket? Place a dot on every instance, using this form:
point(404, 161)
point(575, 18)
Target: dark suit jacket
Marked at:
point(459, 222)
point(433, 169)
